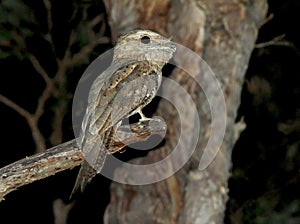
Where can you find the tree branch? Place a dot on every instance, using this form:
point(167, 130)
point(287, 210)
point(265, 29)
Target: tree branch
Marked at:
point(86, 50)
point(67, 155)
point(276, 41)
point(48, 36)
point(33, 119)
point(40, 70)
point(20, 110)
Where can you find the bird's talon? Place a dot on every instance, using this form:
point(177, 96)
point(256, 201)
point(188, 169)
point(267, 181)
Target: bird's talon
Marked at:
point(143, 117)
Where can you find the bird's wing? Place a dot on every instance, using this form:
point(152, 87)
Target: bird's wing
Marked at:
point(135, 94)
point(98, 106)
point(92, 137)
point(110, 101)
point(120, 95)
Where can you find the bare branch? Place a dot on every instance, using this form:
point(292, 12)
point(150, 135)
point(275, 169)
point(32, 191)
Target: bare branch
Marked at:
point(48, 35)
point(37, 136)
point(61, 211)
point(47, 4)
point(95, 21)
point(40, 70)
point(95, 40)
point(267, 20)
point(34, 61)
point(61, 94)
point(56, 136)
point(39, 166)
point(31, 120)
point(72, 40)
point(42, 100)
point(276, 41)
point(49, 83)
point(67, 155)
point(20, 110)
point(19, 39)
point(85, 51)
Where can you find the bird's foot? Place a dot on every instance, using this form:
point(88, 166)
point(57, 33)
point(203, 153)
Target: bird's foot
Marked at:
point(143, 117)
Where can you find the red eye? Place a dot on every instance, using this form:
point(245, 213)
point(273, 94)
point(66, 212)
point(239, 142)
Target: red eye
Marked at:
point(145, 40)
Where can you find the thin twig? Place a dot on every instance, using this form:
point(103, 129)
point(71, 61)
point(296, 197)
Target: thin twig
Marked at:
point(95, 39)
point(276, 41)
point(56, 136)
point(56, 86)
point(31, 120)
point(20, 110)
point(61, 211)
point(40, 70)
point(48, 36)
point(267, 20)
point(85, 51)
point(95, 21)
point(37, 135)
point(61, 94)
point(48, 7)
point(43, 99)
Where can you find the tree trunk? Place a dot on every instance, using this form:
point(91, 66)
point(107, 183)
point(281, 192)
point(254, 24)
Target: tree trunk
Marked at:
point(224, 34)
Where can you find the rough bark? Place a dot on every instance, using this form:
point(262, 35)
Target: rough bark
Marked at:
point(224, 34)
point(67, 155)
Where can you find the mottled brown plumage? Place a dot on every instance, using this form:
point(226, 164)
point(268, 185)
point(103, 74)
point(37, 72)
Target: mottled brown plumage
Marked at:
point(129, 84)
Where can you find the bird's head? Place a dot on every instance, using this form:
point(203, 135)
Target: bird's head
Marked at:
point(143, 45)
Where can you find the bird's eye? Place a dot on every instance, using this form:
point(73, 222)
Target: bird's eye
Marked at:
point(145, 40)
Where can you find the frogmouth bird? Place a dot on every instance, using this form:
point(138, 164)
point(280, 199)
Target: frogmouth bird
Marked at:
point(123, 89)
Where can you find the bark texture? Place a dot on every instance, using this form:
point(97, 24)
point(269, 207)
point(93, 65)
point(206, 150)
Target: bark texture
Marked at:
point(67, 155)
point(223, 32)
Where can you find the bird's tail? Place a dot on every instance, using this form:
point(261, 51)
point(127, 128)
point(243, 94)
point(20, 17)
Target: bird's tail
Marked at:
point(85, 175)
point(95, 150)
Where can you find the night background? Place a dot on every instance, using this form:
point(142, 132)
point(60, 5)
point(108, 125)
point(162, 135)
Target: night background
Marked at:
point(265, 182)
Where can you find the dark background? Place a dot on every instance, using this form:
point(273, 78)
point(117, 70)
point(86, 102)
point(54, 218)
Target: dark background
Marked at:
point(265, 184)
